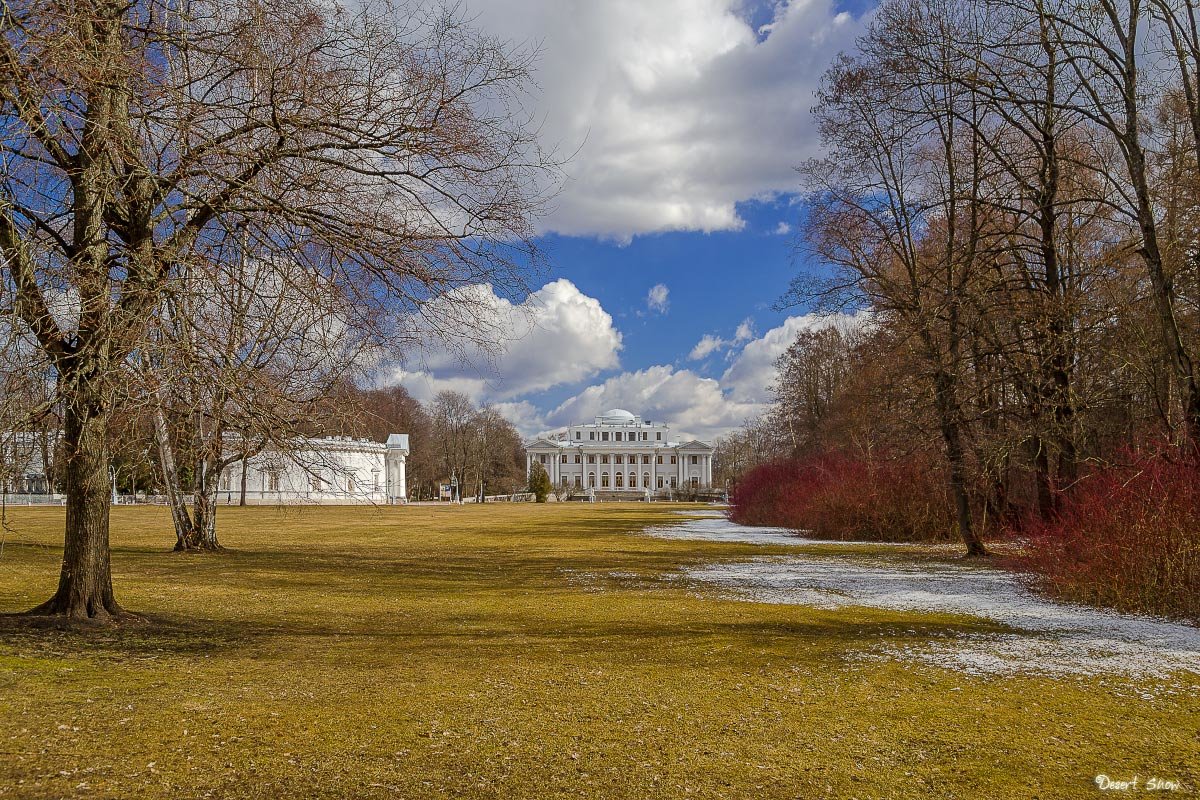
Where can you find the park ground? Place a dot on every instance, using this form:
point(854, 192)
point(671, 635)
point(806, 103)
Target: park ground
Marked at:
point(520, 652)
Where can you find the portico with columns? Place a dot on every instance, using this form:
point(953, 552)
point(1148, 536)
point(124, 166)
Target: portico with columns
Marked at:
point(623, 454)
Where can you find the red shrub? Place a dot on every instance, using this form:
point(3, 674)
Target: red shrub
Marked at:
point(836, 496)
point(1125, 537)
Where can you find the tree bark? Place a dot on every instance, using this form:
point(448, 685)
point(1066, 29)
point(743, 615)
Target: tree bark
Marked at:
point(85, 580)
point(166, 457)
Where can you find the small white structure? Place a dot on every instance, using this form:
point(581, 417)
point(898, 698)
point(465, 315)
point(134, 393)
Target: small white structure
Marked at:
point(23, 458)
point(620, 453)
point(335, 470)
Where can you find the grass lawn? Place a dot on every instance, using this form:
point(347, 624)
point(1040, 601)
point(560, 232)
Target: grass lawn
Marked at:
point(516, 651)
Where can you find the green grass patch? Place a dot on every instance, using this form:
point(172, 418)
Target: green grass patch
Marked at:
point(515, 652)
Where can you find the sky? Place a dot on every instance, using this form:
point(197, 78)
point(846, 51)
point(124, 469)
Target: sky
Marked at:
point(673, 237)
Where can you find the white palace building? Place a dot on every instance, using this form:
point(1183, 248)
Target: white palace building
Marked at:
point(621, 454)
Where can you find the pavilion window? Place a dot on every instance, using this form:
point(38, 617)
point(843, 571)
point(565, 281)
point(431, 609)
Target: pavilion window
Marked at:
point(542, 458)
point(693, 459)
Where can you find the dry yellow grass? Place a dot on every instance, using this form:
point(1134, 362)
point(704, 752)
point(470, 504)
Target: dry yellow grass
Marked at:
point(514, 651)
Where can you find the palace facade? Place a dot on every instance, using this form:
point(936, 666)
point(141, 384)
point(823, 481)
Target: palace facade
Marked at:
point(621, 453)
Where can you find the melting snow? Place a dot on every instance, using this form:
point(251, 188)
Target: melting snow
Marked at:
point(1050, 638)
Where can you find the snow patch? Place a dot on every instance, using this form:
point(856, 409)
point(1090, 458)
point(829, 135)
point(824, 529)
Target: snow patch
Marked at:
point(1049, 638)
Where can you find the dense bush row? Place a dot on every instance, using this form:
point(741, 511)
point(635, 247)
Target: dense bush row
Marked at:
point(1125, 536)
point(837, 496)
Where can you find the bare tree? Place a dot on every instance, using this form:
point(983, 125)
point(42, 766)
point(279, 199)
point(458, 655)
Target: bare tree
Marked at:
point(895, 200)
point(382, 151)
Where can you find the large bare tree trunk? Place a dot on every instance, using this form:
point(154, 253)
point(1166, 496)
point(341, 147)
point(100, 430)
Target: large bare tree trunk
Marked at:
point(85, 582)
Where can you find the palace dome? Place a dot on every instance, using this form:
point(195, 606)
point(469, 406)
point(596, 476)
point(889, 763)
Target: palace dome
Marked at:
point(618, 415)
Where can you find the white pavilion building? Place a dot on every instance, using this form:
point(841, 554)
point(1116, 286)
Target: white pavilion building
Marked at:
point(334, 470)
point(620, 453)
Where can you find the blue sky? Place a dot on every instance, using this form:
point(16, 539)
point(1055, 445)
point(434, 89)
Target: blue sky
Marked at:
point(672, 237)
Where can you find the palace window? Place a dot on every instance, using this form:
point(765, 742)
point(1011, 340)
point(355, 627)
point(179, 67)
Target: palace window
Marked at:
point(620, 459)
point(617, 436)
point(604, 436)
point(592, 435)
point(563, 459)
point(658, 436)
point(603, 459)
point(350, 484)
point(660, 459)
point(672, 459)
point(674, 483)
point(591, 480)
point(316, 483)
point(564, 481)
point(375, 479)
point(272, 480)
point(633, 480)
point(694, 459)
point(226, 480)
point(695, 483)
point(578, 435)
point(578, 458)
point(603, 480)
point(620, 480)
point(542, 458)
point(645, 459)
point(645, 480)
point(591, 459)
point(660, 481)
point(578, 481)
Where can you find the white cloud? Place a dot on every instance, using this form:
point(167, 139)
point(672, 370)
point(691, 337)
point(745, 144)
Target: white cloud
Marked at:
point(657, 298)
point(695, 407)
point(707, 345)
point(671, 111)
point(557, 336)
point(751, 375)
point(745, 331)
point(710, 343)
point(783, 229)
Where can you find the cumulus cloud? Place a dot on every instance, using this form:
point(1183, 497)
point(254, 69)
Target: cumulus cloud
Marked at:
point(557, 336)
point(657, 298)
point(707, 345)
point(710, 343)
point(783, 229)
point(750, 377)
point(695, 406)
point(671, 111)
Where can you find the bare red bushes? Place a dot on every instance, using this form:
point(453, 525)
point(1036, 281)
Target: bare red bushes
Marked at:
point(1126, 537)
point(837, 496)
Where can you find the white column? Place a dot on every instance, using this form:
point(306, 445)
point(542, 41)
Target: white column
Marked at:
point(402, 474)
